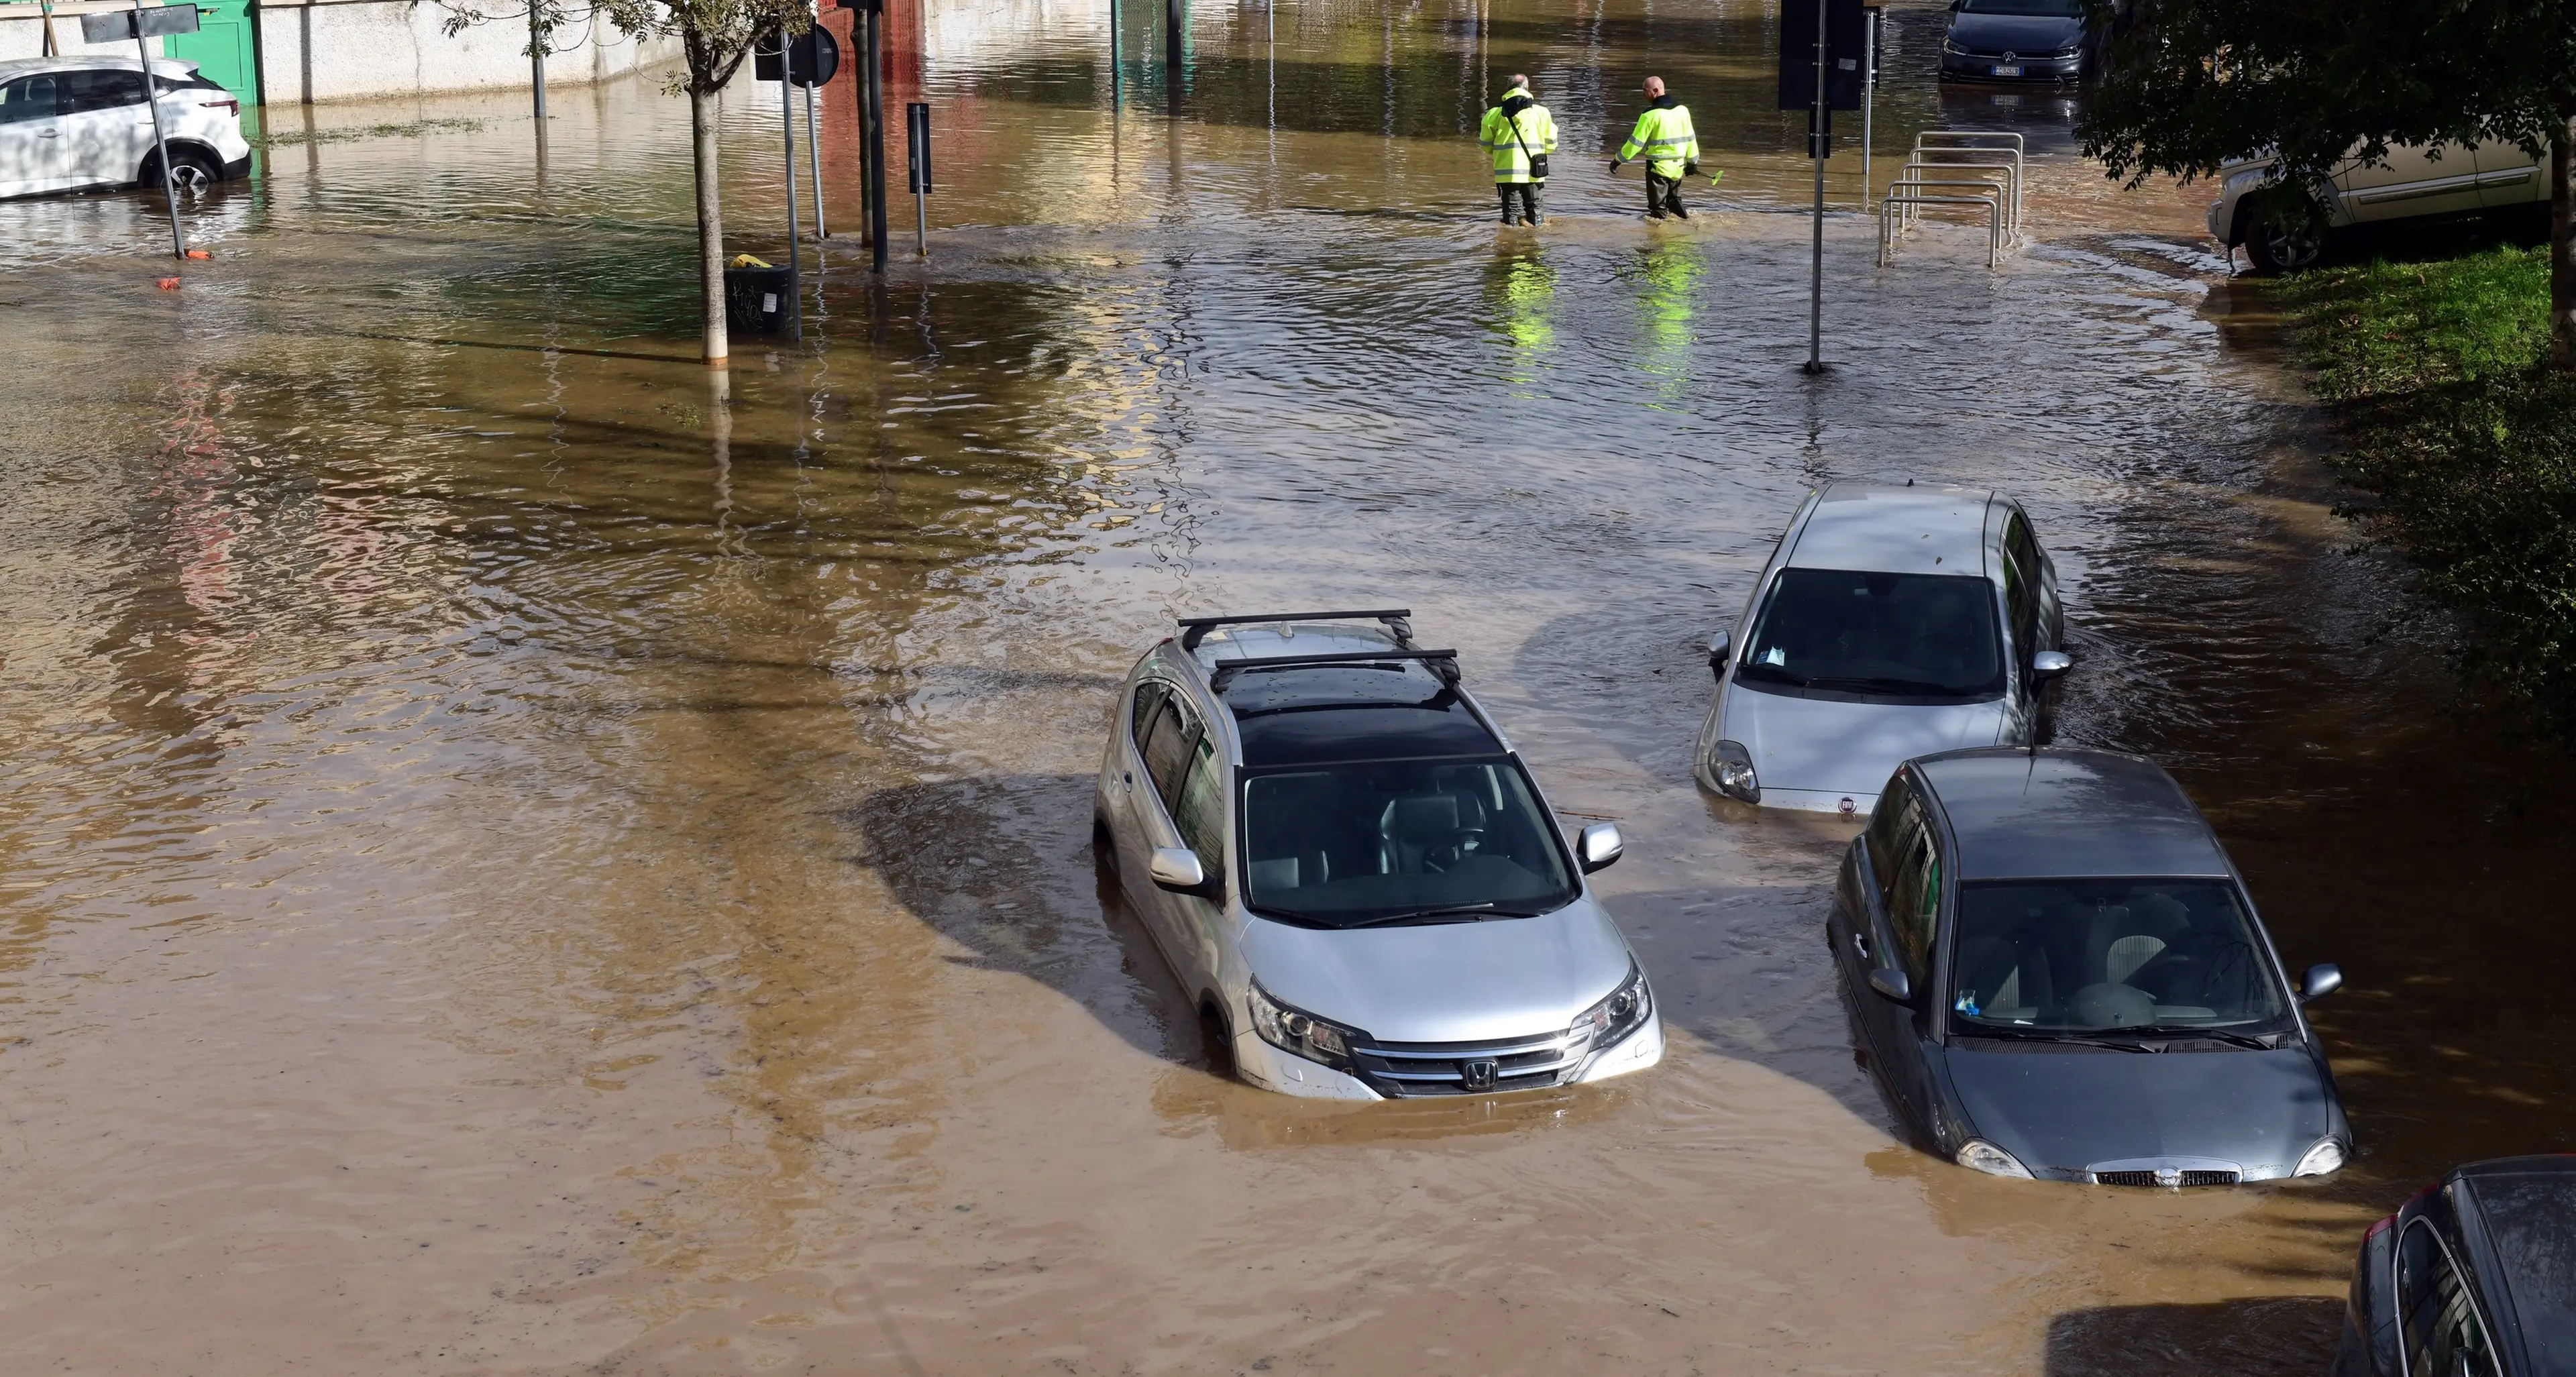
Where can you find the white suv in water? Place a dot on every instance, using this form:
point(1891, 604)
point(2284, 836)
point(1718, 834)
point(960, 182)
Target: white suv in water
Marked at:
point(72, 123)
point(1351, 872)
point(1892, 622)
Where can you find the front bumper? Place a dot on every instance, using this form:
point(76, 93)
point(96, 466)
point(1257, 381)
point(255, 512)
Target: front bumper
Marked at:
point(1970, 67)
point(1272, 1069)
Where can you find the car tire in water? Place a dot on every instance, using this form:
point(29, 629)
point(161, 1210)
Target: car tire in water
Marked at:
point(192, 173)
point(2277, 251)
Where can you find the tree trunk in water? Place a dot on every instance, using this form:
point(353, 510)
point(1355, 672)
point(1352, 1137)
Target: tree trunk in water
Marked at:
point(711, 293)
point(2562, 250)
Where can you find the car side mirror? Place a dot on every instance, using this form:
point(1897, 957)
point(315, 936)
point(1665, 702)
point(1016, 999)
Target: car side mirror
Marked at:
point(2048, 664)
point(1721, 648)
point(1177, 869)
point(1597, 846)
point(1892, 984)
point(2320, 981)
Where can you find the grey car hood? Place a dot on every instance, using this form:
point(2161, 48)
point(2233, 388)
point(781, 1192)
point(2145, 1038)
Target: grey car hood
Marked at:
point(1847, 748)
point(2059, 1112)
point(1445, 982)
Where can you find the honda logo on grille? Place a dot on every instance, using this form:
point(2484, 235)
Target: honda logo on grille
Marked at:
point(1478, 1075)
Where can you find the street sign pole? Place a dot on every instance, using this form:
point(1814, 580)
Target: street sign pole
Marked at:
point(160, 140)
point(787, 132)
point(1816, 136)
point(814, 161)
point(916, 119)
point(1117, 96)
point(1868, 93)
point(873, 54)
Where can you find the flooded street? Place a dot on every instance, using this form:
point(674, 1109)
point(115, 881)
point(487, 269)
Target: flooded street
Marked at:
point(513, 863)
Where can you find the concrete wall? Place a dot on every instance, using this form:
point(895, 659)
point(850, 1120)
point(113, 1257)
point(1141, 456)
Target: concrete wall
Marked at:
point(373, 48)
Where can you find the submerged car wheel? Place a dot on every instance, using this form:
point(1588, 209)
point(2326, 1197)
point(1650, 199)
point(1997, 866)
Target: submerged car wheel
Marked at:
point(192, 174)
point(2282, 250)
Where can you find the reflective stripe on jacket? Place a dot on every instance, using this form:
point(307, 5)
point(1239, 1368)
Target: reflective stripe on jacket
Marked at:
point(1537, 129)
point(1663, 137)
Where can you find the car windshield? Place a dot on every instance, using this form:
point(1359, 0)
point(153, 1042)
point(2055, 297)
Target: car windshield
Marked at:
point(2086, 955)
point(1379, 842)
point(1893, 635)
point(2062, 9)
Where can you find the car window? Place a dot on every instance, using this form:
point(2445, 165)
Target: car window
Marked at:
point(2021, 587)
point(1200, 814)
point(29, 98)
point(1882, 833)
point(100, 89)
point(1339, 844)
point(1877, 634)
point(1168, 744)
point(1914, 901)
point(2084, 954)
point(2438, 1322)
point(1140, 717)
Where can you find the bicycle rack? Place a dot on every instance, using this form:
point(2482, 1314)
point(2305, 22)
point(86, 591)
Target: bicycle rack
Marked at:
point(1986, 162)
point(1896, 204)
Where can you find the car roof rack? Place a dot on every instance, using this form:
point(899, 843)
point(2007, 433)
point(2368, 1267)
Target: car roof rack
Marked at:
point(1195, 629)
point(1443, 663)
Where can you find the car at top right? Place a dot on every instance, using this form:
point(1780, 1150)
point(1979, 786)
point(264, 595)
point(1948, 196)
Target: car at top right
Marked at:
point(2473, 1277)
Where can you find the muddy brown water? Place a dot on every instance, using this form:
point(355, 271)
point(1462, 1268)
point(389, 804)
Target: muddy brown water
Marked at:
point(511, 865)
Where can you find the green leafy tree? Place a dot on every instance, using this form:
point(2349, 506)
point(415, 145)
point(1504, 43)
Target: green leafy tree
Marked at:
point(715, 36)
point(2193, 84)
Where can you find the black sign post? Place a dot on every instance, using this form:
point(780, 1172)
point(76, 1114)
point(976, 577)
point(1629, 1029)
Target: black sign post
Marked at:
point(772, 64)
point(1820, 72)
point(916, 121)
point(139, 25)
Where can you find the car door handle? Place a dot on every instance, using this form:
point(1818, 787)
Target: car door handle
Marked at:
point(49, 133)
point(1860, 944)
point(1128, 779)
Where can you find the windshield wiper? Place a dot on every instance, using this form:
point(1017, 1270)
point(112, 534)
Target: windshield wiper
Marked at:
point(2080, 1039)
point(1463, 913)
point(2233, 1039)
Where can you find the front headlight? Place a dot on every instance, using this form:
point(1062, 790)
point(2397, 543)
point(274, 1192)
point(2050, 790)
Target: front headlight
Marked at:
point(1951, 48)
point(1298, 1033)
point(1732, 767)
point(2324, 1159)
point(1622, 1013)
point(1979, 1155)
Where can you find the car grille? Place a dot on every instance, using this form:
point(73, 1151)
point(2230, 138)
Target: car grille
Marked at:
point(1414, 1069)
point(2150, 1178)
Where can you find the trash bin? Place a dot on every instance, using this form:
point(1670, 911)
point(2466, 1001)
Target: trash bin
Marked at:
point(756, 301)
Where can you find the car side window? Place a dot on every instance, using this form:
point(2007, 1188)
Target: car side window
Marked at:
point(1882, 834)
point(100, 90)
point(28, 98)
point(1914, 903)
point(2021, 588)
point(1168, 745)
point(1140, 716)
point(2439, 1324)
point(1201, 814)
point(2034, 565)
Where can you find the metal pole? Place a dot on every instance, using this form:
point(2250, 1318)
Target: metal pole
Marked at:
point(873, 54)
point(1117, 96)
point(537, 63)
point(787, 132)
point(1816, 263)
point(814, 161)
point(1868, 91)
point(916, 129)
point(1172, 34)
point(160, 143)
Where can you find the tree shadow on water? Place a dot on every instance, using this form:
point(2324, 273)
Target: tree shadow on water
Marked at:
point(2252, 1337)
point(1004, 866)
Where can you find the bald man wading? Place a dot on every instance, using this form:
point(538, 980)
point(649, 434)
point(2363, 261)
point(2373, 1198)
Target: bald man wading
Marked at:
point(1663, 137)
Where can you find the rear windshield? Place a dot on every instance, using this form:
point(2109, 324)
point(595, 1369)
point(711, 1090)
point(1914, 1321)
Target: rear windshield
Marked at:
point(1878, 635)
point(2067, 9)
point(1372, 843)
point(2084, 955)
point(2532, 1220)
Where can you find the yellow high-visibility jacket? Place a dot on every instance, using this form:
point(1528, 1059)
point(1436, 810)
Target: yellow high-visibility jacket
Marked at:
point(1663, 135)
point(1537, 129)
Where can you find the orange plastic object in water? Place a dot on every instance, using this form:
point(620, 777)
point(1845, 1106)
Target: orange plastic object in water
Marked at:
point(169, 284)
point(194, 253)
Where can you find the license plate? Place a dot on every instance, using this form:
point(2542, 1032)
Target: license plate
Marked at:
point(2008, 71)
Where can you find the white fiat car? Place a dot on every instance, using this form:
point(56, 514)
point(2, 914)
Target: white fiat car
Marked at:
point(1892, 622)
point(73, 123)
point(1352, 873)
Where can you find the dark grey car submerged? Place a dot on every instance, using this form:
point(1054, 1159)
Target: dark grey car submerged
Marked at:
point(2056, 972)
point(2017, 40)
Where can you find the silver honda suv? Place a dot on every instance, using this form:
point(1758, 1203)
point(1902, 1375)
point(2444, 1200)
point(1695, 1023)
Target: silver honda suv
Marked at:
point(1349, 868)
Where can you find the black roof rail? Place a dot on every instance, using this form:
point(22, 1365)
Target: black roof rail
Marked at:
point(1195, 629)
point(1443, 663)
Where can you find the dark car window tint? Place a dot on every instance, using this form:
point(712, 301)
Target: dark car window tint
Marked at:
point(1914, 903)
point(100, 90)
point(2532, 1221)
point(1167, 748)
point(2438, 1323)
point(1893, 805)
point(1369, 841)
point(2062, 9)
point(1140, 718)
point(2069, 955)
point(29, 98)
point(1894, 635)
point(1200, 815)
point(2021, 591)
